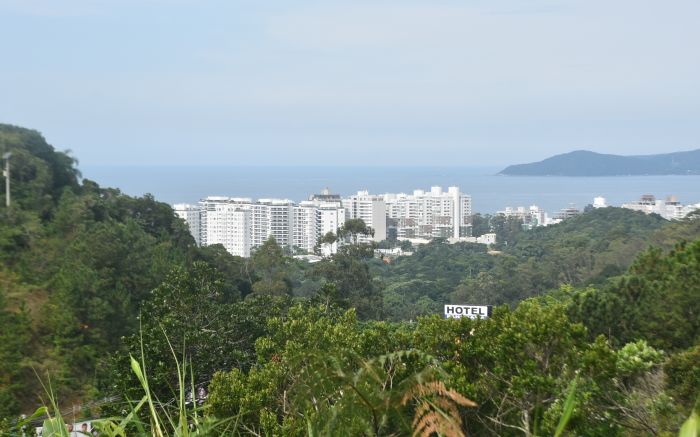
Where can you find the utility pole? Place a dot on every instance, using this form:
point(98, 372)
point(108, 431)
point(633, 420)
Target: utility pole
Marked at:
point(6, 173)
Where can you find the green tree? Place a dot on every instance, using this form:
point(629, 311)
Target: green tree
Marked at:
point(507, 229)
point(189, 310)
point(15, 342)
point(481, 224)
point(353, 229)
point(518, 366)
point(656, 300)
point(348, 389)
point(271, 265)
point(683, 377)
point(236, 272)
point(349, 272)
point(39, 173)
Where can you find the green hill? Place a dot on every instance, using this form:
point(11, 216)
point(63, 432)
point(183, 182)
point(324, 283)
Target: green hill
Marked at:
point(76, 261)
point(586, 163)
point(86, 272)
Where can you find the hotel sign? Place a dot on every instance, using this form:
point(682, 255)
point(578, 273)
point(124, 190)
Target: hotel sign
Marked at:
point(471, 311)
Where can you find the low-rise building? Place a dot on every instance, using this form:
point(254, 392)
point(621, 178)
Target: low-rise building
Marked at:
point(531, 217)
point(487, 239)
point(567, 213)
point(599, 202)
point(670, 208)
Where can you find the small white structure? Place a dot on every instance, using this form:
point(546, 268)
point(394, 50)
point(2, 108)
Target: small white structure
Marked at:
point(487, 239)
point(470, 311)
point(531, 217)
point(309, 258)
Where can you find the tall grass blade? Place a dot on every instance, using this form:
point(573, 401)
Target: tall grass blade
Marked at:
point(569, 405)
point(691, 427)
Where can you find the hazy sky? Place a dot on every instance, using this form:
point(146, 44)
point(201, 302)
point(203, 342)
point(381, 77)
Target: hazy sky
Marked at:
point(351, 82)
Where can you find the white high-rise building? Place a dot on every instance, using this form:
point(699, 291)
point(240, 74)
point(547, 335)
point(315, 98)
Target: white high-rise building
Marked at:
point(227, 223)
point(241, 224)
point(190, 214)
point(430, 214)
point(273, 217)
point(305, 233)
point(313, 220)
point(371, 209)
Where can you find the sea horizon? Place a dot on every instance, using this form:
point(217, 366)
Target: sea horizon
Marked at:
point(490, 191)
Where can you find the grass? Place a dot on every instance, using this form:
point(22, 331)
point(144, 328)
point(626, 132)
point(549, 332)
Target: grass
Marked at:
point(146, 417)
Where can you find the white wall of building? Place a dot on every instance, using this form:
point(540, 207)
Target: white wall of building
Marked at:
point(241, 224)
point(190, 214)
point(429, 214)
point(227, 224)
point(670, 209)
point(423, 214)
point(371, 209)
point(532, 217)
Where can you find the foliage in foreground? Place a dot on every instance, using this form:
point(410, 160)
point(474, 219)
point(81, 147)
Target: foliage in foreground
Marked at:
point(517, 367)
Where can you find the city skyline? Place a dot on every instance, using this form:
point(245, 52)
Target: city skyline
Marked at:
point(242, 224)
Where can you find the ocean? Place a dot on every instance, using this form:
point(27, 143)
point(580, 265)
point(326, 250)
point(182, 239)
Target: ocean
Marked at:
point(490, 192)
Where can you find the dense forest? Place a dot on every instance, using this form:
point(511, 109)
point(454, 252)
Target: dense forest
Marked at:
point(595, 330)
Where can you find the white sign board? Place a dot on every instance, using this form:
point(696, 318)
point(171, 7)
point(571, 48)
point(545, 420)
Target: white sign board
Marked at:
point(76, 429)
point(471, 311)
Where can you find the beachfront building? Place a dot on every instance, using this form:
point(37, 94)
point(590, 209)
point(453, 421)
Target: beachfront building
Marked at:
point(226, 221)
point(531, 217)
point(241, 224)
point(371, 209)
point(429, 214)
point(190, 214)
point(272, 218)
point(670, 209)
point(312, 220)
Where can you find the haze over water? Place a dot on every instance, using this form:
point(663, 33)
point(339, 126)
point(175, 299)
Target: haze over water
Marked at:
point(490, 192)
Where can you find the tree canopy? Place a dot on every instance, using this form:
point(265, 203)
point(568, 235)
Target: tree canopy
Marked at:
point(601, 309)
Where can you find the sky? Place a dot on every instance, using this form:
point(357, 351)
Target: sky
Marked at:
point(361, 82)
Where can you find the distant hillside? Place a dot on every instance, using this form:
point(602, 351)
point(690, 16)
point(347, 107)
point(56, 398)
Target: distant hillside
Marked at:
point(587, 163)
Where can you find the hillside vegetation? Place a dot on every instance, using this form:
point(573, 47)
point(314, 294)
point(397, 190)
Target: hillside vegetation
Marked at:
point(583, 250)
point(77, 261)
point(601, 310)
